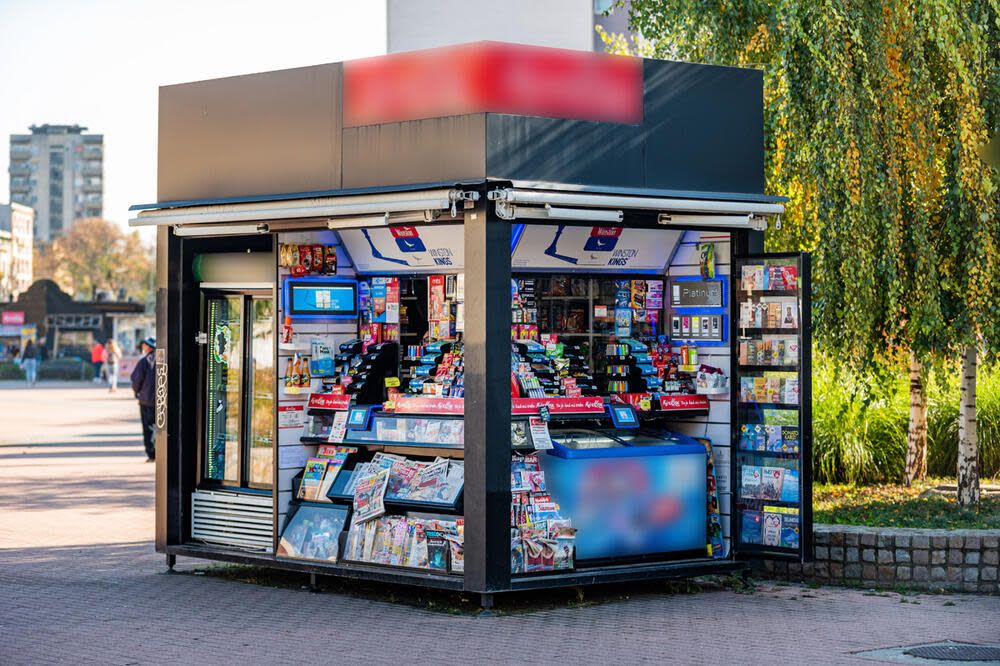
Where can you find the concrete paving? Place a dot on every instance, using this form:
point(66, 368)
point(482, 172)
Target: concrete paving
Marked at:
point(80, 583)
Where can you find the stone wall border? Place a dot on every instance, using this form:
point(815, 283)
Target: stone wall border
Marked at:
point(963, 560)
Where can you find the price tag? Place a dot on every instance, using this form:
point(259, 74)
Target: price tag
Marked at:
point(392, 382)
point(539, 433)
point(545, 414)
point(339, 428)
point(645, 405)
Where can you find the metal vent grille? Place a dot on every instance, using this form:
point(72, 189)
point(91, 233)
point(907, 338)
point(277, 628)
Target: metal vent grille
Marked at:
point(232, 519)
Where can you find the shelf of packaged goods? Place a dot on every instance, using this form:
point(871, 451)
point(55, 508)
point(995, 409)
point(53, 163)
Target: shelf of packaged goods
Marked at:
point(768, 368)
point(767, 405)
point(763, 330)
point(767, 292)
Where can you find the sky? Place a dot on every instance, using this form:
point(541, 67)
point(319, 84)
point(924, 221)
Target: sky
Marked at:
point(98, 63)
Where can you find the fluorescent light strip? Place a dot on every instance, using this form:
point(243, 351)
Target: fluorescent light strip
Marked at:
point(554, 213)
point(221, 230)
point(681, 220)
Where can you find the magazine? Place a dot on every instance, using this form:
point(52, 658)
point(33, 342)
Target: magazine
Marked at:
point(751, 527)
point(771, 532)
point(750, 484)
point(313, 533)
point(770, 483)
point(369, 495)
point(312, 479)
point(790, 486)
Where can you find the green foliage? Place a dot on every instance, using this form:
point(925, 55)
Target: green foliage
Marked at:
point(873, 116)
point(860, 420)
point(11, 371)
point(901, 506)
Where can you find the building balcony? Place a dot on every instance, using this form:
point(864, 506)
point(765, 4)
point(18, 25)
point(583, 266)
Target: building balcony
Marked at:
point(19, 169)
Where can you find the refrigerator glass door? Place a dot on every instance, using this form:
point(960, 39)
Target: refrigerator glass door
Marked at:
point(261, 385)
point(224, 389)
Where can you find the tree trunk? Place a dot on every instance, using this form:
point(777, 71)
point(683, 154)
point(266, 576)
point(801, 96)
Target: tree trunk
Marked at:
point(968, 455)
point(916, 440)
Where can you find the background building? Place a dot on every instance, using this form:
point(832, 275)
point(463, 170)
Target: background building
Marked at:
point(16, 244)
point(568, 24)
point(59, 171)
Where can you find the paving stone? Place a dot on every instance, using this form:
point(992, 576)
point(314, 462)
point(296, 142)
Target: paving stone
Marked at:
point(921, 557)
point(939, 542)
point(902, 541)
point(822, 552)
point(885, 556)
point(955, 573)
point(971, 557)
point(991, 542)
point(852, 539)
point(991, 557)
point(836, 571)
point(902, 555)
point(903, 573)
point(868, 555)
point(988, 573)
point(921, 574)
point(921, 541)
point(837, 554)
point(837, 539)
point(939, 556)
point(80, 583)
point(955, 541)
point(885, 541)
point(939, 574)
point(970, 574)
point(886, 574)
point(868, 539)
point(955, 556)
point(973, 543)
point(851, 555)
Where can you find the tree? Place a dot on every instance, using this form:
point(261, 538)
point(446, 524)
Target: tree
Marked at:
point(873, 112)
point(96, 254)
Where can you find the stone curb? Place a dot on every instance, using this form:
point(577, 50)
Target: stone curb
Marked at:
point(961, 560)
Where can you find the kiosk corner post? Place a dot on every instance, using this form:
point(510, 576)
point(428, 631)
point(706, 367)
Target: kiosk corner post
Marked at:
point(487, 399)
point(167, 294)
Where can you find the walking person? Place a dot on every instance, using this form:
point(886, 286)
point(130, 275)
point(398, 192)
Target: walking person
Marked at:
point(112, 359)
point(96, 359)
point(144, 387)
point(29, 362)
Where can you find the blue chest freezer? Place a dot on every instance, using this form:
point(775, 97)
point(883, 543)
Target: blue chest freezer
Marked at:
point(629, 493)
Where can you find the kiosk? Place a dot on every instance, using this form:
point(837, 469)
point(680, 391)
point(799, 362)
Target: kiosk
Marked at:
point(484, 318)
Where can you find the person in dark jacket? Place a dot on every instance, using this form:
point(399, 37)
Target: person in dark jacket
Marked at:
point(144, 387)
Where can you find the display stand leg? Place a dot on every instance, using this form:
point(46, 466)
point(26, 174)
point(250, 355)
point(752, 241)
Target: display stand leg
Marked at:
point(745, 575)
point(486, 603)
point(313, 587)
point(171, 561)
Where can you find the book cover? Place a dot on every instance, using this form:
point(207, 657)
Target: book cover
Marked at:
point(750, 481)
point(790, 486)
point(790, 439)
point(751, 527)
point(790, 530)
point(771, 531)
point(772, 438)
point(770, 482)
point(437, 550)
point(312, 478)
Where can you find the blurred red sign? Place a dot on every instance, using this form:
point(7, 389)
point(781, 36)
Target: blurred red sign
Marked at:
point(496, 78)
point(429, 405)
point(12, 318)
point(329, 401)
point(681, 402)
point(557, 405)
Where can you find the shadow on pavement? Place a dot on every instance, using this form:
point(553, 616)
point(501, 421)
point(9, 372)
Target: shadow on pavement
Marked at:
point(101, 495)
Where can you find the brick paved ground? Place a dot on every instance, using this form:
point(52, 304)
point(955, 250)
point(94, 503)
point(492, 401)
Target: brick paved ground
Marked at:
point(80, 583)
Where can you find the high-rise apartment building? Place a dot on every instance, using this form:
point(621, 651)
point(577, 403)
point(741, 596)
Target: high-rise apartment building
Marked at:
point(16, 243)
point(59, 171)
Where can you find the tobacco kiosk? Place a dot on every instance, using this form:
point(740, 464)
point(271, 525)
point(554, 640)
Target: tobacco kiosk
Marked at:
point(418, 330)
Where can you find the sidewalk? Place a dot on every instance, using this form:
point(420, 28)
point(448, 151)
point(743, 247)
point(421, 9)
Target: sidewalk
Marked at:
point(80, 583)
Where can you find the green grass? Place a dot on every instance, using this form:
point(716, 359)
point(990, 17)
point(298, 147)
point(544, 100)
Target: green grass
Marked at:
point(890, 505)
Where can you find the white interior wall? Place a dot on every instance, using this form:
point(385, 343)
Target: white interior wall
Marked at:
point(717, 425)
point(291, 452)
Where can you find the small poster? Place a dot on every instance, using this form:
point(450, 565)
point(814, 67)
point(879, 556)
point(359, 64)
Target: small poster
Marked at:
point(600, 311)
point(339, 428)
point(290, 457)
point(291, 416)
point(539, 433)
